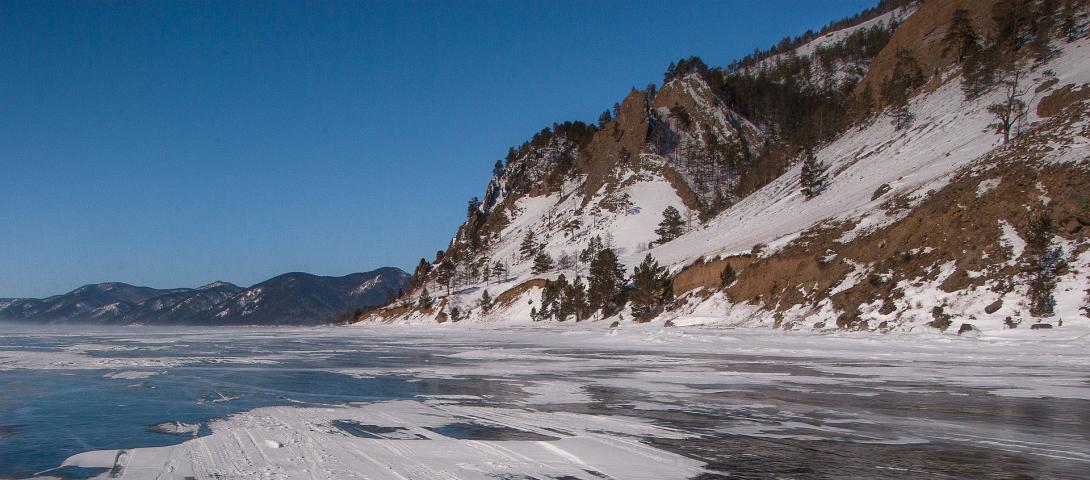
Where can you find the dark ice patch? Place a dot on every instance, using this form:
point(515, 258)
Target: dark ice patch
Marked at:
point(8, 431)
point(357, 429)
point(477, 431)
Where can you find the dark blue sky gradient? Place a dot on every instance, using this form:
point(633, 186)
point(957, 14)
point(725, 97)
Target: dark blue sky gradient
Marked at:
point(175, 143)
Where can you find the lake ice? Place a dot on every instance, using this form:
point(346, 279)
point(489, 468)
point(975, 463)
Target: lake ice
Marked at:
point(433, 402)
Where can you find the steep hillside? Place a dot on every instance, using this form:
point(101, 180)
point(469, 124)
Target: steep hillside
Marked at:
point(926, 219)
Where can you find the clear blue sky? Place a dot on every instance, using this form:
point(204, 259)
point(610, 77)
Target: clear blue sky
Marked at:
point(173, 143)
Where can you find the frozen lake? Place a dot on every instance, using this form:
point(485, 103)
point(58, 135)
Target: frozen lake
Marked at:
point(429, 402)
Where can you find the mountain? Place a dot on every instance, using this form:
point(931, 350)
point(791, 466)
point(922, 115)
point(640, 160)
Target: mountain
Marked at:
point(182, 307)
point(293, 298)
point(855, 178)
point(96, 303)
point(304, 299)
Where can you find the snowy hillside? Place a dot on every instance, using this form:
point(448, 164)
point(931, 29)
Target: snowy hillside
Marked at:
point(948, 135)
point(922, 226)
point(832, 38)
point(820, 73)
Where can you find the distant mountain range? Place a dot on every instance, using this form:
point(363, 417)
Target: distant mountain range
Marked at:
point(289, 299)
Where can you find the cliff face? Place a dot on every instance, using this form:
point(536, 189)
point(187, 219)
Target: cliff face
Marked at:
point(924, 224)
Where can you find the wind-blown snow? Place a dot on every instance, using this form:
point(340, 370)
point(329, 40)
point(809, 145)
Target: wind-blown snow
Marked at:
point(285, 442)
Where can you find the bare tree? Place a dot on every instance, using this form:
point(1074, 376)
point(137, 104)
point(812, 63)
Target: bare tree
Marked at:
point(1012, 109)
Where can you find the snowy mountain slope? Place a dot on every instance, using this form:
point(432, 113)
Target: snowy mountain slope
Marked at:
point(875, 164)
point(632, 170)
point(86, 303)
point(948, 134)
point(831, 38)
point(709, 146)
point(181, 307)
point(955, 244)
point(840, 71)
point(304, 299)
point(913, 232)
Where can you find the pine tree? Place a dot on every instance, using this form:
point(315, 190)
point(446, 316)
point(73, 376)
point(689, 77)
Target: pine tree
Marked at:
point(549, 298)
point(906, 76)
point(497, 169)
point(960, 38)
point(1012, 22)
point(474, 273)
point(1045, 264)
point(542, 263)
point(727, 276)
point(529, 245)
point(472, 206)
point(669, 74)
point(670, 226)
point(553, 299)
point(649, 282)
point(1041, 46)
point(425, 301)
point(604, 119)
point(576, 297)
point(649, 92)
point(1068, 25)
point(813, 178)
point(486, 272)
point(979, 71)
point(593, 247)
point(485, 301)
point(444, 275)
point(606, 281)
point(533, 314)
point(499, 270)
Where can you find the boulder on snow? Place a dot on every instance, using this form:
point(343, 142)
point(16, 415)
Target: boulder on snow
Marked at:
point(669, 323)
point(881, 190)
point(942, 320)
point(615, 325)
point(968, 330)
point(993, 307)
point(1040, 326)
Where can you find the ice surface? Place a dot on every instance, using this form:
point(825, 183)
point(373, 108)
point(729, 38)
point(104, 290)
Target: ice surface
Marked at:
point(638, 402)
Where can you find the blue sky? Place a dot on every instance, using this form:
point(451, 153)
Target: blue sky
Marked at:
point(175, 143)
